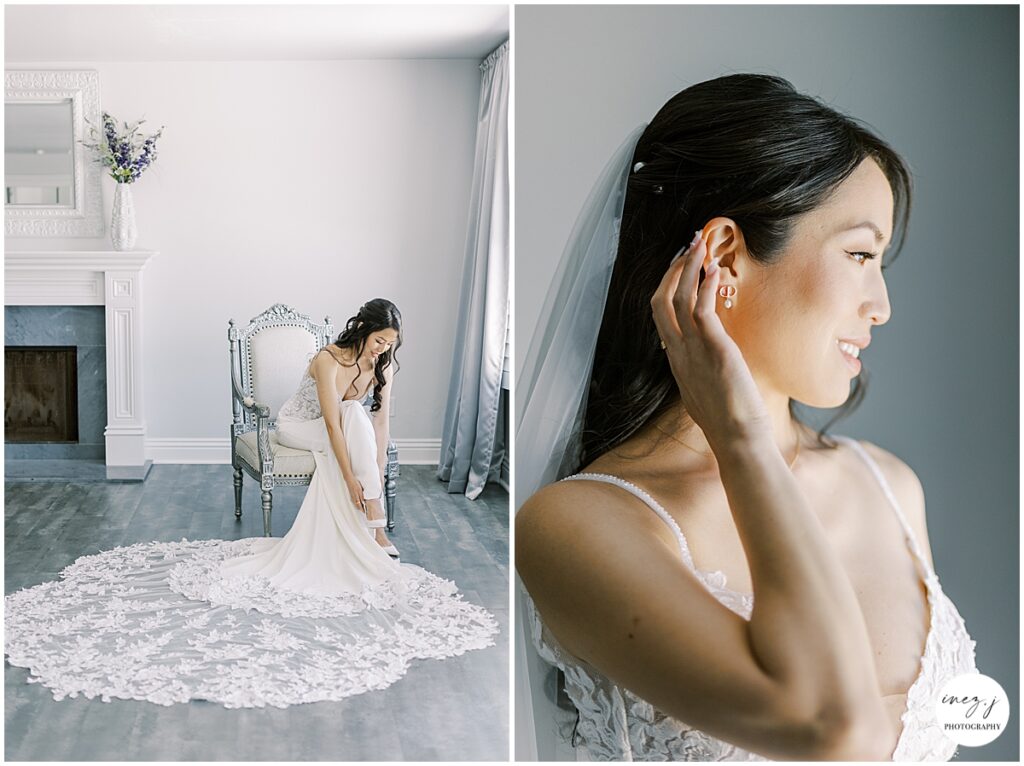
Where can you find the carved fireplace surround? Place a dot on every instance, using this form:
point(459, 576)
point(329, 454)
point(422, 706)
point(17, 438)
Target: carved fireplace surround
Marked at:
point(106, 278)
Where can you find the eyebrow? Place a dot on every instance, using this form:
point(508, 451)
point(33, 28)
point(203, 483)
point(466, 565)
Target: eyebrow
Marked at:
point(866, 225)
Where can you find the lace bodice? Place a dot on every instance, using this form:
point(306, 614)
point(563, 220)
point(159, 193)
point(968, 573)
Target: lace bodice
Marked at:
point(304, 404)
point(616, 725)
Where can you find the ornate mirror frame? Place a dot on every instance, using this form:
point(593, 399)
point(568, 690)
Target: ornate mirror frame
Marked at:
point(85, 219)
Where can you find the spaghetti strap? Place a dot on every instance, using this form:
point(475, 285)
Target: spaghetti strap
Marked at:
point(332, 356)
point(890, 495)
point(651, 503)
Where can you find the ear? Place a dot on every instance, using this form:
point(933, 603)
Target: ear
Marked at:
point(725, 242)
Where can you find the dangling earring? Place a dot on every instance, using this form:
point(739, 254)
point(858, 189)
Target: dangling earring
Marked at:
point(727, 291)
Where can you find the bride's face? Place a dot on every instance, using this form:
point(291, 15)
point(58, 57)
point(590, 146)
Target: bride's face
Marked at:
point(789, 318)
point(379, 342)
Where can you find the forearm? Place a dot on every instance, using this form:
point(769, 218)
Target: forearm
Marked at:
point(381, 434)
point(806, 629)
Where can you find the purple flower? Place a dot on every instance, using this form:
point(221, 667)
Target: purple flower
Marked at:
point(126, 153)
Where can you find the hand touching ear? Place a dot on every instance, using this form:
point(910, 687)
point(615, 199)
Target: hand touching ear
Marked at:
point(715, 384)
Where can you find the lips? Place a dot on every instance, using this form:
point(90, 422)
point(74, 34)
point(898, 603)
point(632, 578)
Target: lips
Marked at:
point(860, 342)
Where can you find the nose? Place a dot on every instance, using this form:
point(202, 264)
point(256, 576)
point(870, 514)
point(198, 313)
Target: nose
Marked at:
point(876, 307)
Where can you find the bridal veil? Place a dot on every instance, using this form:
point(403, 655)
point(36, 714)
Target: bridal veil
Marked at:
point(551, 398)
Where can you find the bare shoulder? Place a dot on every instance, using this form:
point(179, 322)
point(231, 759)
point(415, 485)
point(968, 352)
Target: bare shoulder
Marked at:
point(328, 365)
point(567, 506)
point(318, 367)
point(324, 358)
point(592, 514)
point(907, 488)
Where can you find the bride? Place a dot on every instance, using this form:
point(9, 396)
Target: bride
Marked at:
point(329, 551)
point(715, 580)
point(323, 613)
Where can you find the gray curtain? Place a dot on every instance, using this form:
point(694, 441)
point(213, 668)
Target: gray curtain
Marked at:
point(472, 443)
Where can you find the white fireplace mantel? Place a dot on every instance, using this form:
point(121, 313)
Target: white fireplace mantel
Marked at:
point(107, 278)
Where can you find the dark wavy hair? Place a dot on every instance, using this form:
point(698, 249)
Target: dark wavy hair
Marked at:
point(378, 314)
point(745, 146)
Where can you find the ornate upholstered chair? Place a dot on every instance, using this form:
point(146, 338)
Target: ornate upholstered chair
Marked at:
point(268, 358)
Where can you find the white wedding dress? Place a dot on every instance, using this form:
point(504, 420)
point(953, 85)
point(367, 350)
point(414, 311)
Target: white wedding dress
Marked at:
point(615, 724)
point(320, 614)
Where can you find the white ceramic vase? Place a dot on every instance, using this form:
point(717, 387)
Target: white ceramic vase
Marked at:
point(122, 224)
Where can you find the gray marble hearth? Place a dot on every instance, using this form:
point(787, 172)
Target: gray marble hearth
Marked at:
point(81, 326)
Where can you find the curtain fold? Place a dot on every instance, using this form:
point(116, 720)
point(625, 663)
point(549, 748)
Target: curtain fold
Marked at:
point(472, 445)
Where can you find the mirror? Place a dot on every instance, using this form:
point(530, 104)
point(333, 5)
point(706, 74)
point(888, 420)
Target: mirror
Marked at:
point(51, 184)
point(39, 166)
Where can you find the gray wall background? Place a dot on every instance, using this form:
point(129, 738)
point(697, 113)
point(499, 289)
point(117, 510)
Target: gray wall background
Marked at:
point(940, 83)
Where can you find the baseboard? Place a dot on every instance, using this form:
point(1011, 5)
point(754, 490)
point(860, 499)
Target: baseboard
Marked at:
point(212, 451)
point(218, 451)
point(418, 451)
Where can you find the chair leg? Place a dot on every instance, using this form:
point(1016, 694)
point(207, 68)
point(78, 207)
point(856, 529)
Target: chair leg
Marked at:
point(238, 493)
point(391, 483)
point(268, 501)
point(390, 490)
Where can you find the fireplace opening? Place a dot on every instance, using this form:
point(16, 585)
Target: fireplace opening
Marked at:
point(41, 394)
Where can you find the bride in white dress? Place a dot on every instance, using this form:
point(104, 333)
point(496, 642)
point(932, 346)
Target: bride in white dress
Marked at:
point(329, 551)
point(737, 587)
point(321, 614)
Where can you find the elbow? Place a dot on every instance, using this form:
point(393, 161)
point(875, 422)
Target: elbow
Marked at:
point(853, 736)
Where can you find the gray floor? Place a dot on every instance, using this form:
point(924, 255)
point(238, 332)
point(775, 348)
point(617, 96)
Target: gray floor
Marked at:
point(43, 469)
point(455, 709)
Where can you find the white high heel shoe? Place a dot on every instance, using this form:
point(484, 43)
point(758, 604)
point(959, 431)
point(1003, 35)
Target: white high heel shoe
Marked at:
point(375, 524)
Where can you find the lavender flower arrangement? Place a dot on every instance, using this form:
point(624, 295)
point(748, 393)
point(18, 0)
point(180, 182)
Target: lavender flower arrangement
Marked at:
point(127, 153)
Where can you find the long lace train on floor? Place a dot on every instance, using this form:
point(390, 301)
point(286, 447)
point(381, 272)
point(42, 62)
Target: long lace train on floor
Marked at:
point(155, 621)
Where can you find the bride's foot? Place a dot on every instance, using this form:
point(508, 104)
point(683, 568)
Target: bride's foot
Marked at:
point(377, 520)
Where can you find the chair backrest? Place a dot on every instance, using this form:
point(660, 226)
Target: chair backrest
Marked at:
point(270, 355)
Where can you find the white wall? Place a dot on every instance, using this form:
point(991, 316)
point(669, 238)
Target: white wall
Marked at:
point(317, 184)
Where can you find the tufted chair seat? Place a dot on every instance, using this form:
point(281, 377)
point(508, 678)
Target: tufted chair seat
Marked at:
point(288, 462)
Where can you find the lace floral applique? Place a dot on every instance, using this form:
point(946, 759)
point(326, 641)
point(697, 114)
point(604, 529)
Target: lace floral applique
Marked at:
point(133, 623)
point(304, 404)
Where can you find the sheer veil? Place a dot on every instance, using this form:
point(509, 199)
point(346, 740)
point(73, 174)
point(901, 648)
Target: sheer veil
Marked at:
point(551, 397)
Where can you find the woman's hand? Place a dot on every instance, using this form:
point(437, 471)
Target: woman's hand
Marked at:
point(715, 383)
point(355, 491)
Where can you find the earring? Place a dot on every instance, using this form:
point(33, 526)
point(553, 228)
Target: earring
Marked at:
point(727, 291)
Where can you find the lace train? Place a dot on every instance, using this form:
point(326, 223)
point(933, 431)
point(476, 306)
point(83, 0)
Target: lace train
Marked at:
point(154, 621)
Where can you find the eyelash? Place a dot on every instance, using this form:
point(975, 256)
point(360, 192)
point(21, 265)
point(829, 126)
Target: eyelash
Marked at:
point(867, 257)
